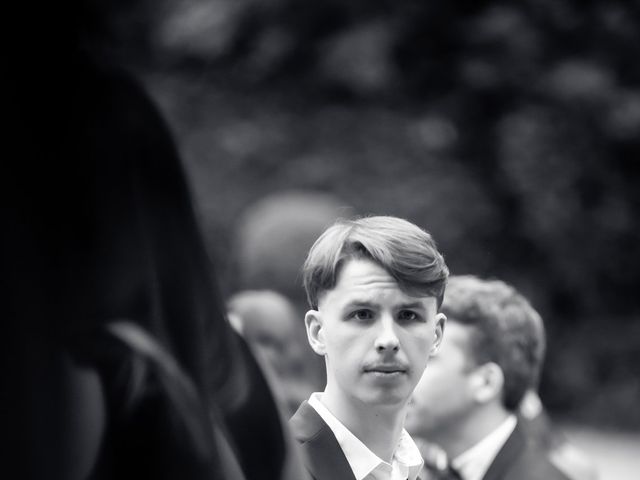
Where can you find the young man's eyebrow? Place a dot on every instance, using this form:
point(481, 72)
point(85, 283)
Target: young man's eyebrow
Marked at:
point(413, 305)
point(373, 304)
point(362, 303)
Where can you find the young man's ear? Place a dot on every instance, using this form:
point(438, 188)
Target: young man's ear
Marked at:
point(440, 322)
point(315, 333)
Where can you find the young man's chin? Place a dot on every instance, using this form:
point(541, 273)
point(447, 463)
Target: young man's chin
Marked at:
point(389, 398)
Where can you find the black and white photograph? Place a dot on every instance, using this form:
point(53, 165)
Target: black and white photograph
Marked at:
point(341, 240)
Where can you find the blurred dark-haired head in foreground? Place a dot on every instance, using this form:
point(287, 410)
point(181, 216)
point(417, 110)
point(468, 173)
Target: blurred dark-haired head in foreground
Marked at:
point(127, 366)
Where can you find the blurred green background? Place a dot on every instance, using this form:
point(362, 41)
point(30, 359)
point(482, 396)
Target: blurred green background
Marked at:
point(509, 130)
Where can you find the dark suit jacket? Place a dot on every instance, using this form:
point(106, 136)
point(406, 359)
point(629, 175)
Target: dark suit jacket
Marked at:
point(322, 453)
point(520, 459)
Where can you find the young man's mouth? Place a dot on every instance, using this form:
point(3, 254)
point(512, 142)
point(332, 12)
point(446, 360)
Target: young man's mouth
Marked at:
point(385, 370)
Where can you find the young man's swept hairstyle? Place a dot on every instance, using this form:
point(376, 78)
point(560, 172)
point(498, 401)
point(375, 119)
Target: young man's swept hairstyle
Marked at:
point(408, 253)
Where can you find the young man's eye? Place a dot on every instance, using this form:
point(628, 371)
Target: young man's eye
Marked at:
point(409, 316)
point(362, 315)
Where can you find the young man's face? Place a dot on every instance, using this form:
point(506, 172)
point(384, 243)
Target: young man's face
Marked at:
point(376, 339)
point(444, 396)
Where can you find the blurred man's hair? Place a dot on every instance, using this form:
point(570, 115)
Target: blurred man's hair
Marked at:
point(408, 253)
point(505, 329)
point(256, 308)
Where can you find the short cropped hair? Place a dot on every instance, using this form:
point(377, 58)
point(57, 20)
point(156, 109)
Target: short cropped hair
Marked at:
point(407, 252)
point(505, 329)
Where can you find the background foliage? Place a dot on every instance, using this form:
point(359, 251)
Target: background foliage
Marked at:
point(510, 130)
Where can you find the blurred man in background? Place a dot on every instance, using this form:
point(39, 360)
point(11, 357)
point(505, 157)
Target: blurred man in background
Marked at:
point(374, 286)
point(468, 398)
point(269, 323)
point(273, 236)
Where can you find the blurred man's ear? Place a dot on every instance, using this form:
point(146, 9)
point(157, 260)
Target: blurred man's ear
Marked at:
point(236, 321)
point(315, 332)
point(488, 382)
point(440, 322)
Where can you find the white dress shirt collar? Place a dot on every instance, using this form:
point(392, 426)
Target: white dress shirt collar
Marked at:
point(406, 462)
point(474, 462)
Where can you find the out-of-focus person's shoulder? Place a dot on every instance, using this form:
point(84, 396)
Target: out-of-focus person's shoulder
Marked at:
point(562, 454)
point(573, 462)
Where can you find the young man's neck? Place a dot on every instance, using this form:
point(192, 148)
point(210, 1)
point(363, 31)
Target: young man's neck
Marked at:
point(378, 427)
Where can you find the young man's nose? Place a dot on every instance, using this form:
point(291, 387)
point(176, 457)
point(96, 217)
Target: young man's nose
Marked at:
point(387, 339)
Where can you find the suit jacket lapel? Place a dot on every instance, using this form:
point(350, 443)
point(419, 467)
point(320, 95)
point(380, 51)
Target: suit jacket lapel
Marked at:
point(324, 457)
point(509, 452)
